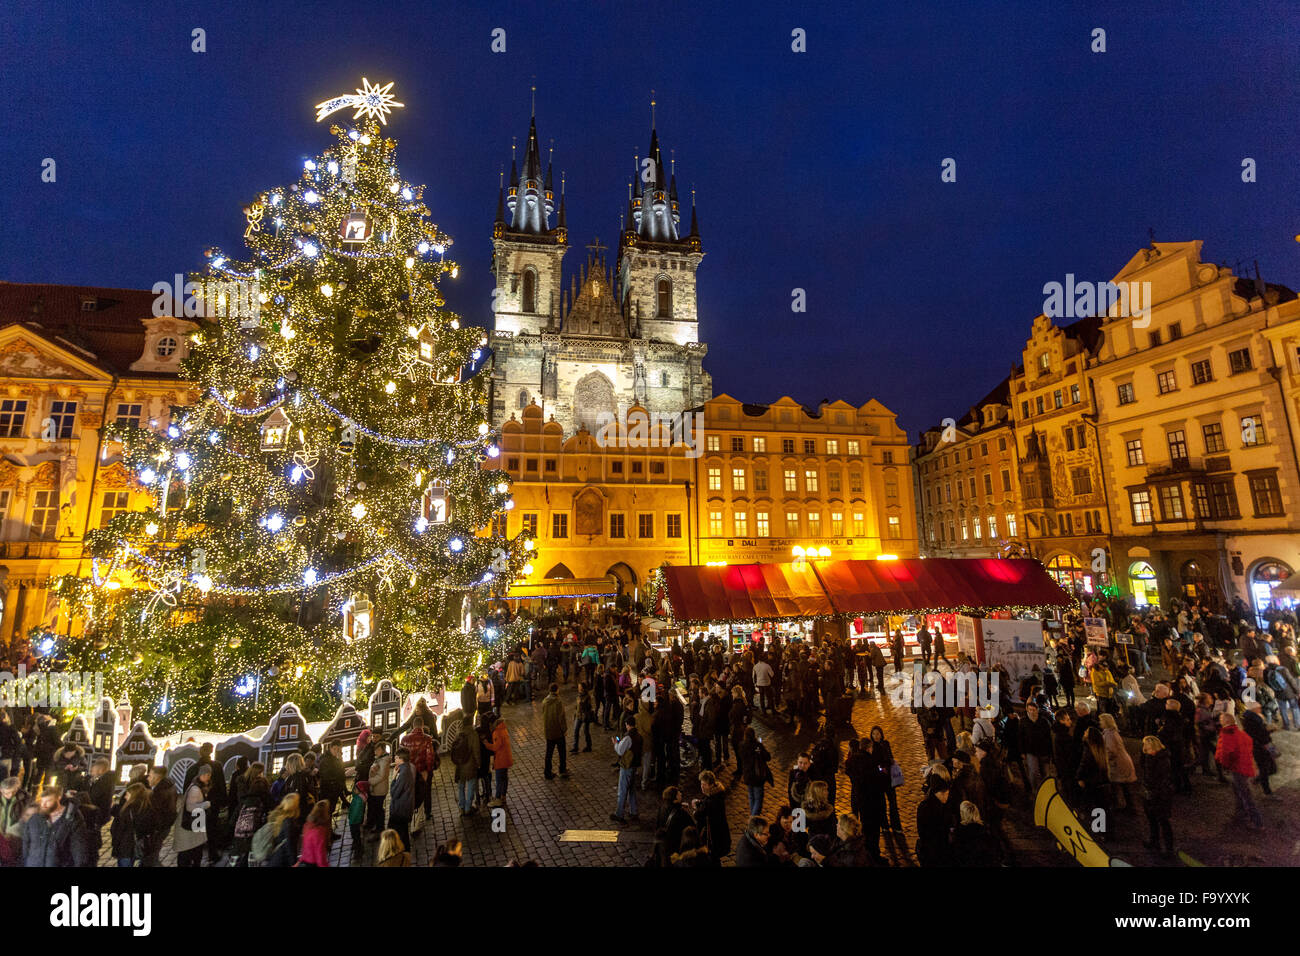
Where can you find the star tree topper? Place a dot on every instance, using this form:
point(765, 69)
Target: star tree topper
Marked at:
point(371, 101)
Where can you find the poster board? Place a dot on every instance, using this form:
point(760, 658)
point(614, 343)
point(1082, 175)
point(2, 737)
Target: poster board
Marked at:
point(967, 637)
point(1095, 631)
point(1016, 646)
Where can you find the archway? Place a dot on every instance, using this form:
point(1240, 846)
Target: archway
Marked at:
point(1265, 575)
point(559, 571)
point(1197, 585)
point(1142, 582)
point(1071, 575)
point(625, 577)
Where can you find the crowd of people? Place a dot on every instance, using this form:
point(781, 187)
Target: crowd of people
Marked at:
point(682, 722)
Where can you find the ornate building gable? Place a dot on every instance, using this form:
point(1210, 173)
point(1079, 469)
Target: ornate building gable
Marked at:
point(166, 342)
point(25, 353)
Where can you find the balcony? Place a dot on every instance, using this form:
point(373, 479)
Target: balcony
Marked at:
point(1176, 468)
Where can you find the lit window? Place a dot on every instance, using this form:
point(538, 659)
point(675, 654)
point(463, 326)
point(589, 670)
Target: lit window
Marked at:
point(761, 524)
point(713, 443)
point(1141, 503)
point(792, 524)
point(837, 524)
point(1171, 502)
point(815, 523)
point(993, 526)
point(111, 505)
point(715, 524)
point(760, 444)
point(965, 531)
point(791, 480)
point(978, 528)
point(832, 446)
point(810, 480)
point(1011, 524)
point(740, 524)
point(738, 479)
point(859, 524)
point(1074, 395)
point(45, 512)
point(895, 527)
point(715, 479)
point(1134, 449)
point(1166, 382)
point(854, 446)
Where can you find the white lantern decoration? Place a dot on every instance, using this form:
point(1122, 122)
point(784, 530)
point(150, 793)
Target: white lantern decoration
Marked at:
point(275, 431)
point(357, 618)
point(435, 504)
point(355, 228)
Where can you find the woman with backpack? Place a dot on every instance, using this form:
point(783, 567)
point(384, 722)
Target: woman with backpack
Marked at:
point(254, 800)
point(277, 842)
point(754, 769)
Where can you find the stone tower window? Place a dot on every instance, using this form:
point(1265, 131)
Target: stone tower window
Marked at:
point(523, 398)
point(664, 297)
point(530, 291)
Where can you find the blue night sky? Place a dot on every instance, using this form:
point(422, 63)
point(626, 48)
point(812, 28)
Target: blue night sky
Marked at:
point(818, 170)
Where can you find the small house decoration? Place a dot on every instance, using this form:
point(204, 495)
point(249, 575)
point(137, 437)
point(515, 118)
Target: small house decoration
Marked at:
point(103, 738)
point(348, 438)
point(344, 729)
point(228, 751)
point(357, 618)
point(385, 707)
point(356, 228)
point(284, 735)
point(275, 431)
point(424, 346)
point(435, 503)
point(79, 732)
point(138, 747)
point(124, 712)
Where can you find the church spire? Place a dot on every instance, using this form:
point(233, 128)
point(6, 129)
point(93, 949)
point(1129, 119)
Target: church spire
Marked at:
point(531, 200)
point(655, 215)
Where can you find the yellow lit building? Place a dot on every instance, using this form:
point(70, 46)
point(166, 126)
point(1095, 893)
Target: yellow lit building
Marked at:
point(1197, 422)
point(71, 359)
point(968, 484)
point(772, 477)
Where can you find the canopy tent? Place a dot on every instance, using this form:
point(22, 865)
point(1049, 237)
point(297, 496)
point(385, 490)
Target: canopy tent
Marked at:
point(749, 592)
point(914, 584)
point(741, 592)
point(564, 588)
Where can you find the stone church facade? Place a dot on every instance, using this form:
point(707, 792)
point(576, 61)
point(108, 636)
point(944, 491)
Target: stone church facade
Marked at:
point(613, 339)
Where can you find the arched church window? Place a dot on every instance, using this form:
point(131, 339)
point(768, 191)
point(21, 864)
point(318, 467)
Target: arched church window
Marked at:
point(664, 297)
point(530, 291)
point(523, 398)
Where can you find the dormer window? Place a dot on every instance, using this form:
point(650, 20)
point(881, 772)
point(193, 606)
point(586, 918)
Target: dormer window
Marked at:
point(166, 346)
point(89, 304)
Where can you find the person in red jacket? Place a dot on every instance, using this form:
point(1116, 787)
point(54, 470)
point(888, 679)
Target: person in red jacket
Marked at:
point(1235, 755)
point(424, 761)
point(316, 836)
point(502, 759)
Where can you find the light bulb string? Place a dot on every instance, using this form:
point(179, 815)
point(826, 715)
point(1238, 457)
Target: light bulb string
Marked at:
point(390, 556)
point(343, 417)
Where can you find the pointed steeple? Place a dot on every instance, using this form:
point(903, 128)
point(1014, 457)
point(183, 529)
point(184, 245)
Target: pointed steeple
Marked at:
point(655, 209)
point(531, 199)
point(695, 222)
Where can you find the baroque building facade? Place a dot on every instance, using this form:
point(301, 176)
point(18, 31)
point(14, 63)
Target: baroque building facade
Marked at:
point(1156, 452)
point(968, 484)
point(71, 359)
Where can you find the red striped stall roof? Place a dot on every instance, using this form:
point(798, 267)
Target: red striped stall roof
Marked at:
point(747, 592)
point(744, 592)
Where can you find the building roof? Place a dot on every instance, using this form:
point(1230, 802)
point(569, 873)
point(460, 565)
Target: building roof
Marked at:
point(105, 324)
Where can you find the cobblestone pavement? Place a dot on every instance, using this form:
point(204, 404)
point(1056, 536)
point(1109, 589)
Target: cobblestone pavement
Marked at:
point(539, 811)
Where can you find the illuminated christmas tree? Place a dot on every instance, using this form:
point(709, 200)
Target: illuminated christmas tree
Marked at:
point(323, 514)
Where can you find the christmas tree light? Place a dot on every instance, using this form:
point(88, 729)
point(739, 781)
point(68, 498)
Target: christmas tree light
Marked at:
point(288, 490)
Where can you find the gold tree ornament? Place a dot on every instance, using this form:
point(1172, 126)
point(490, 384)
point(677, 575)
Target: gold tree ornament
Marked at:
point(371, 101)
point(253, 213)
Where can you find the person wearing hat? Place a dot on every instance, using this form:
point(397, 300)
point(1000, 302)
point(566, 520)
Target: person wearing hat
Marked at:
point(820, 847)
